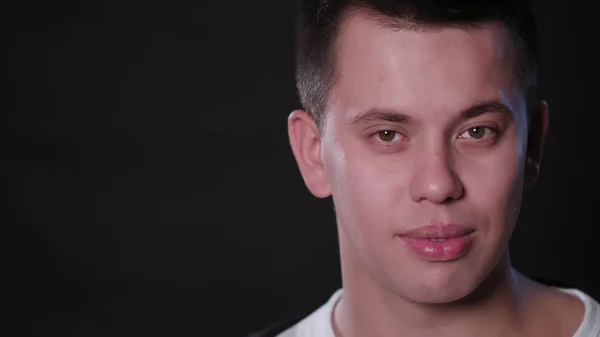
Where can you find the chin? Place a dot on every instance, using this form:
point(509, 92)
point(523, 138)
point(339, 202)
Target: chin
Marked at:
point(441, 296)
point(437, 289)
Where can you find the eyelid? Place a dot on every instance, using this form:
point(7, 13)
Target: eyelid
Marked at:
point(374, 134)
point(373, 130)
point(494, 129)
point(481, 124)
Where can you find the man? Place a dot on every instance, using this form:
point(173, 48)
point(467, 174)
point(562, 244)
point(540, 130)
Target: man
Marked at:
point(421, 122)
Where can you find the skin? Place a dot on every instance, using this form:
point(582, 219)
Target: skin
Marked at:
point(396, 152)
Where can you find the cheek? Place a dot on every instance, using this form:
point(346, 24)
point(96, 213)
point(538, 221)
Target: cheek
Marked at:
point(365, 193)
point(356, 185)
point(494, 185)
point(356, 177)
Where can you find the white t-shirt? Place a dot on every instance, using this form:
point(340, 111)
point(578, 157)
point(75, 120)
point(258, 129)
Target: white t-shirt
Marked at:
point(318, 324)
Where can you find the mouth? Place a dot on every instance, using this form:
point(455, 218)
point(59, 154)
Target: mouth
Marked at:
point(438, 233)
point(439, 243)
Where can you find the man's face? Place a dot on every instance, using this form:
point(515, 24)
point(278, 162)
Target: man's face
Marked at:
point(401, 148)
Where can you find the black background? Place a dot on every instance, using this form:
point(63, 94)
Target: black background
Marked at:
point(149, 170)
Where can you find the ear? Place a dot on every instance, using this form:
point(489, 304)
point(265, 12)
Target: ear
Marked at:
point(306, 146)
point(538, 128)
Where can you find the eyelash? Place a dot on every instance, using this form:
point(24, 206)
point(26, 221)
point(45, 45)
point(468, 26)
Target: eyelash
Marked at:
point(396, 133)
point(495, 131)
point(492, 129)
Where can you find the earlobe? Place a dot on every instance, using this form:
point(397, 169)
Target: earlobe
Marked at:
point(538, 128)
point(306, 146)
point(532, 172)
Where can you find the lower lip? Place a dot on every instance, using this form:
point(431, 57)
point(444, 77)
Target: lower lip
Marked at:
point(447, 250)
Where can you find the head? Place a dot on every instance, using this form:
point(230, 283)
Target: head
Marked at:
point(414, 114)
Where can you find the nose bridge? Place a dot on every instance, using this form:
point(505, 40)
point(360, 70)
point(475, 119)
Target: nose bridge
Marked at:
point(435, 178)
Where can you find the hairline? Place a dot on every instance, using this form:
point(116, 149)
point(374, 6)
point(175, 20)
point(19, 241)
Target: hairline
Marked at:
point(329, 69)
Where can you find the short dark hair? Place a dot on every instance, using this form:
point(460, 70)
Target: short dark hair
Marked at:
point(318, 22)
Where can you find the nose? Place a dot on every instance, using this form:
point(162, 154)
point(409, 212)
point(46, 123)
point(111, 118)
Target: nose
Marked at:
point(435, 180)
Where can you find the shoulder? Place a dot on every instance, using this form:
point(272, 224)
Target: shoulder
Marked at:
point(590, 290)
point(589, 315)
point(312, 323)
point(278, 327)
point(568, 309)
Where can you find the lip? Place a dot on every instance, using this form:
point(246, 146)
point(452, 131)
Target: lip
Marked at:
point(438, 232)
point(456, 241)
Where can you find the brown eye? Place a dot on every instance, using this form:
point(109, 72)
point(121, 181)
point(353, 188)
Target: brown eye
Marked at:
point(477, 132)
point(387, 135)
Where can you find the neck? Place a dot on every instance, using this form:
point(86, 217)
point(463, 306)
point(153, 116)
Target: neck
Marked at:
point(369, 309)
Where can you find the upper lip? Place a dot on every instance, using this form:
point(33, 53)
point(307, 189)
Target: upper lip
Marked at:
point(438, 232)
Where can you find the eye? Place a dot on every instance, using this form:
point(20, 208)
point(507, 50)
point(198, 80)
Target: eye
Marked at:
point(478, 132)
point(388, 136)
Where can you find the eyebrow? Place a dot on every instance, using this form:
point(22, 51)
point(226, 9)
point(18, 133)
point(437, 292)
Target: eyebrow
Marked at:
point(388, 115)
point(375, 114)
point(483, 107)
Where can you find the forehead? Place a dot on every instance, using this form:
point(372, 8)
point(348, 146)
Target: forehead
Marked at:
point(421, 70)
